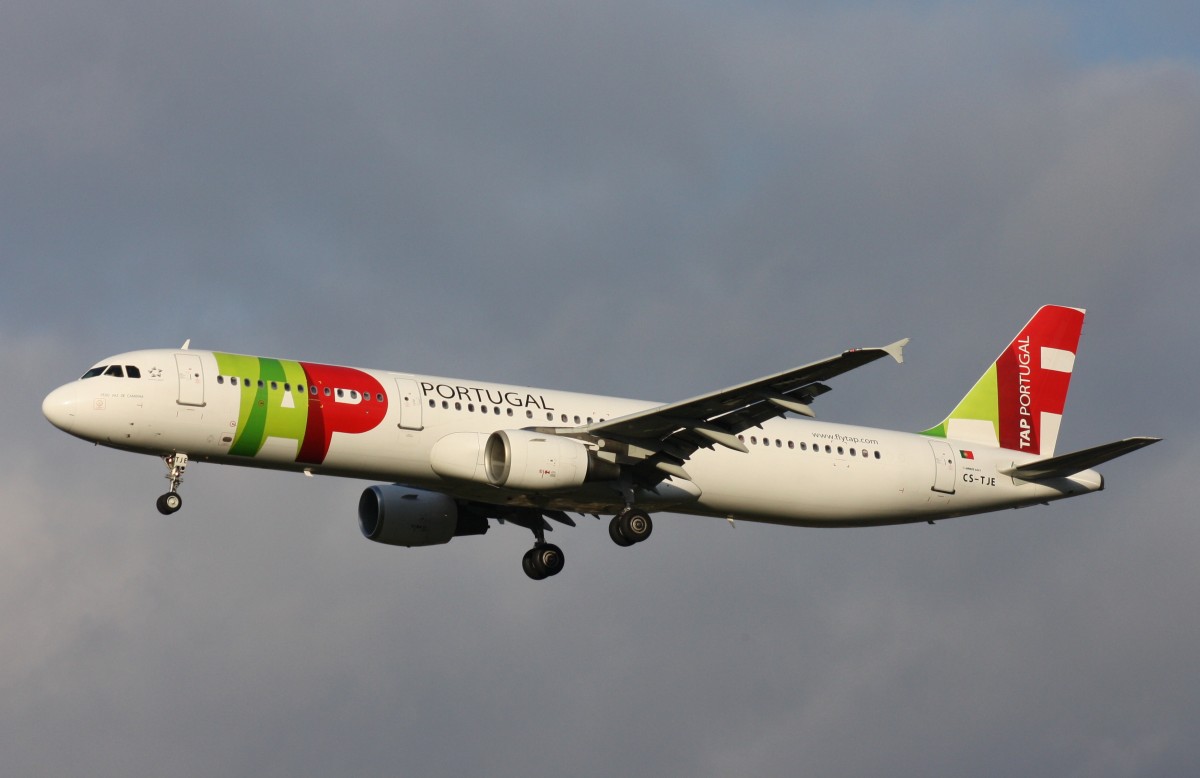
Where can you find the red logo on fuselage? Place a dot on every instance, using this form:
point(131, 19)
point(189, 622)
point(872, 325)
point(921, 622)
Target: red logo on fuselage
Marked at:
point(338, 402)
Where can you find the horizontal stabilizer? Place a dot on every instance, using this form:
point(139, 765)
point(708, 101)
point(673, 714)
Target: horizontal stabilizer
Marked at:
point(1077, 461)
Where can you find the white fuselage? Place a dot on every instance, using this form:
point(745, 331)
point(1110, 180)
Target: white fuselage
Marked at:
point(383, 425)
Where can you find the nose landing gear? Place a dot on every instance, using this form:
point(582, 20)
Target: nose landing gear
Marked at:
point(172, 501)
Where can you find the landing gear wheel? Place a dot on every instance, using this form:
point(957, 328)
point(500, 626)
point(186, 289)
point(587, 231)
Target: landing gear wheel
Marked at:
point(614, 532)
point(530, 566)
point(543, 561)
point(169, 503)
point(630, 526)
point(636, 525)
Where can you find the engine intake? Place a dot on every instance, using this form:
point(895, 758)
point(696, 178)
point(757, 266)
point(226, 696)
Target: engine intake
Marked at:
point(402, 516)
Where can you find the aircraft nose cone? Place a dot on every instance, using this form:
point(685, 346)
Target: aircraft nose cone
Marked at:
point(59, 407)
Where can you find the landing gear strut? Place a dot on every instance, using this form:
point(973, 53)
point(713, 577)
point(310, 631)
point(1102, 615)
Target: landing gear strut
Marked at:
point(630, 526)
point(171, 501)
point(544, 559)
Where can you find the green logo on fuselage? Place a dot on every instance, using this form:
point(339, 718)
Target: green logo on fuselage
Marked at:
point(274, 401)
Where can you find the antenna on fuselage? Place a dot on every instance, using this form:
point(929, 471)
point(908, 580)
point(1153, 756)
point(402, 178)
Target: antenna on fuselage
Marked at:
point(185, 345)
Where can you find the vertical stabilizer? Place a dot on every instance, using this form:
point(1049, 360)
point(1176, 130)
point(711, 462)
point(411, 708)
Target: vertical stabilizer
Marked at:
point(1018, 403)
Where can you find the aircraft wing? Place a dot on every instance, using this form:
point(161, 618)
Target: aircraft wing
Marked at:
point(664, 437)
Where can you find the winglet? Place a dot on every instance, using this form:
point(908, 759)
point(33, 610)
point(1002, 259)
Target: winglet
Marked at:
point(896, 350)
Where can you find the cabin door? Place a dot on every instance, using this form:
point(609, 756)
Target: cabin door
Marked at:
point(943, 466)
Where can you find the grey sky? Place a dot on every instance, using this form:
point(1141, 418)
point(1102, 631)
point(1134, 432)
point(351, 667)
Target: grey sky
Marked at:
point(645, 199)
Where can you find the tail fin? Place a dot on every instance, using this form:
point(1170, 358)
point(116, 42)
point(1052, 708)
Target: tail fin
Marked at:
point(1018, 403)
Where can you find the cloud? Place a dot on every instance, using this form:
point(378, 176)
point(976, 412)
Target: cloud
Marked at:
point(640, 200)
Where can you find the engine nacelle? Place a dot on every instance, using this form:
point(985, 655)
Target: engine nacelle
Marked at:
point(401, 516)
point(459, 455)
point(540, 462)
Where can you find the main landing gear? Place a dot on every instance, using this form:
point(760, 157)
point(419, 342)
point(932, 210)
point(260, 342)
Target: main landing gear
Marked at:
point(630, 526)
point(544, 559)
point(171, 501)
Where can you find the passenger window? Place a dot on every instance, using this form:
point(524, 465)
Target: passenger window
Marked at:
point(274, 386)
point(115, 371)
point(853, 453)
point(828, 450)
point(754, 440)
point(778, 443)
point(326, 391)
point(340, 394)
point(313, 390)
point(803, 446)
point(877, 455)
point(791, 444)
point(496, 411)
point(528, 414)
point(510, 411)
point(220, 380)
point(379, 397)
point(132, 372)
point(483, 409)
point(246, 382)
point(458, 406)
point(576, 419)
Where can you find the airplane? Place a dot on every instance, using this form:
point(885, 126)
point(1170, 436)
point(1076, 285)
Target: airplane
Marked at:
point(455, 454)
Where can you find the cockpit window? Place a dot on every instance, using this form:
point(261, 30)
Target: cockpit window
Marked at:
point(132, 371)
point(115, 371)
point(95, 371)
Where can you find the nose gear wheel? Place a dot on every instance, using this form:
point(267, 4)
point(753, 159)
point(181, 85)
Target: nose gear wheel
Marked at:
point(171, 501)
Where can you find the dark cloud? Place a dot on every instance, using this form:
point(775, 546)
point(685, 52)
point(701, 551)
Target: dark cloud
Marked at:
point(643, 200)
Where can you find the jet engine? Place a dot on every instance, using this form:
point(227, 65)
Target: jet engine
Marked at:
point(401, 516)
point(538, 462)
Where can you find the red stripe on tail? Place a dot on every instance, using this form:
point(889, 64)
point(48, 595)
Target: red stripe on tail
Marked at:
point(1025, 388)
